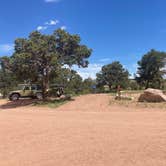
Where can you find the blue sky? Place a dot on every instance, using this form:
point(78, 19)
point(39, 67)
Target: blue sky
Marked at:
point(120, 30)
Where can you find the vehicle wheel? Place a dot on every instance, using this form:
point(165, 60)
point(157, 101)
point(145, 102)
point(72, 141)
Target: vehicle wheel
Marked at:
point(39, 96)
point(33, 97)
point(14, 97)
point(59, 95)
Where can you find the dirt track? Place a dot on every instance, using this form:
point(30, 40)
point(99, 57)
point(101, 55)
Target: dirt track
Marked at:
point(82, 133)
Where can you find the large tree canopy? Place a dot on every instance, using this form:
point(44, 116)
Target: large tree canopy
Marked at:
point(113, 75)
point(39, 56)
point(151, 69)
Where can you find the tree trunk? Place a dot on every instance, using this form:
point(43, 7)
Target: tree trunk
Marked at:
point(147, 84)
point(45, 85)
point(110, 86)
point(4, 94)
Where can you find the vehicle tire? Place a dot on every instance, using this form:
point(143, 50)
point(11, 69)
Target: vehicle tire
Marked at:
point(59, 95)
point(33, 97)
point(14, 97)
point(39, 96)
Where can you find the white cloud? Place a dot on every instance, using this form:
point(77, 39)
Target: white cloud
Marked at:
point(135, 66)
point(63, 27)
point(132, 69)
point(105, 60)
point(47, 24)
point(5, 48)
point(91, 71)
point(41, 28)
point(51, 1)
point(52, 22)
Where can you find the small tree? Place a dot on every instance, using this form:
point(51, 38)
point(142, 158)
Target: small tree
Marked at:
point(89, 85)
point(133, 84)
point(151, 69)
point(113, 75)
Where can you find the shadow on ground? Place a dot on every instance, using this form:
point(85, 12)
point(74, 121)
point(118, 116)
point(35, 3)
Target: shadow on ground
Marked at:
point(34, 102)
point(19, 103)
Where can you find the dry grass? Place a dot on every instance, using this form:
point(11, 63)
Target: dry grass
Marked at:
point(134, 103)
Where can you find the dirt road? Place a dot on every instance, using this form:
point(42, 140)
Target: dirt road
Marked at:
point(82, 133)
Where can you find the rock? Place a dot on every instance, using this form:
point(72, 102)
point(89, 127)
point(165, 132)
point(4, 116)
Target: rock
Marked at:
point(152, 95)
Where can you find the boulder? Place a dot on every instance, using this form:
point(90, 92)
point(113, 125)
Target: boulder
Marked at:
point(152, 95)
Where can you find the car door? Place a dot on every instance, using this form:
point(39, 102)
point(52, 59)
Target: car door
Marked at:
point(27, 91)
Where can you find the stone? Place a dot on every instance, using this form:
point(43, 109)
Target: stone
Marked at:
point(152, 95)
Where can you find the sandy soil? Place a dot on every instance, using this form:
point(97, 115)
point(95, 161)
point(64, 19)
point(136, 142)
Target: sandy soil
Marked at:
point(84, 132)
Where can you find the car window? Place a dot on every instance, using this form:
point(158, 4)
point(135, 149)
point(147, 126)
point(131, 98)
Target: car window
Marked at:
point(26, 88)
point(33, 87)
point(20, 87)
point(39, 87)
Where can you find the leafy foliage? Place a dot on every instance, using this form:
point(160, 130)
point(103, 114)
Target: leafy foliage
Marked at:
point(133, 85)
point(89, 85)
point(40, 57)
point(7, 80)
point(151, 69)
point(69, 79)
point(113, 75)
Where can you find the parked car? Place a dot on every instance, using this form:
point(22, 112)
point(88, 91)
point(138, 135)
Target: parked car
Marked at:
point(26, 90)
point(33, 91)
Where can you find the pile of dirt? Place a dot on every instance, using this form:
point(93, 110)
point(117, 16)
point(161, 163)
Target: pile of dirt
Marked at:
point(152, 95)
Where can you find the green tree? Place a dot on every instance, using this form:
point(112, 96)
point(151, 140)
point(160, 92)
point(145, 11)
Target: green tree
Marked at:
point(151, 69)
point(7, 80)
point(61, 77)
point(39, 57)
point(88, 85)
point(113, 75)
point(133, 85)
point(74, 83)
point(69, 79)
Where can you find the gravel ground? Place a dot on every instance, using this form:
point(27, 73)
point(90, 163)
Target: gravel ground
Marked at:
point(84, 132)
